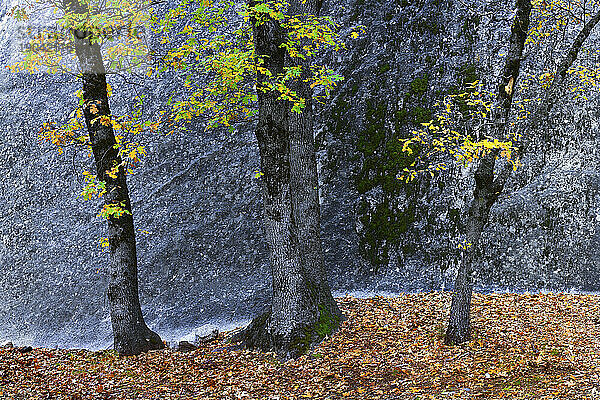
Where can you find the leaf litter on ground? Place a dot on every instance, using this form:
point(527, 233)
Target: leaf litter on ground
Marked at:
point(524, 346)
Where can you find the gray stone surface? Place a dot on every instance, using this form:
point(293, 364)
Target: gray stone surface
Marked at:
point(205, 259)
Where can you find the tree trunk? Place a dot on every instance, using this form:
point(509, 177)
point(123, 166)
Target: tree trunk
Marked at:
point(298, 316)
point(131, 335)
point(486, 185)
point(487, 189)
point(305, 180)
point(477, 217)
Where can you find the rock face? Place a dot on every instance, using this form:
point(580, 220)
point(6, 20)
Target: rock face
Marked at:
point(204, 258)
point(543, 230)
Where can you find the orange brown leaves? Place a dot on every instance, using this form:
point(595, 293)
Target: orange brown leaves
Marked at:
point(525, 347)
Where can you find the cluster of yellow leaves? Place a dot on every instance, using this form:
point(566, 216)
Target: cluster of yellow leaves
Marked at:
point(45, 52)
point(560, 18)
point(103, 243)
point(93, 187)
point(127, 129)
point(117, 22)
point(548, 17)
point(464, 245)
point(552, 17)
point(450, 134)
point(63, 135)
point(586, 77)
point(115, 210)
point(308, 33)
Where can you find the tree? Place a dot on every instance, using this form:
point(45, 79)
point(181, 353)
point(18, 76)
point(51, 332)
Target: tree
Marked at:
point(304, 176)
point(272, 71)
point(493, 117)
point(303, 309)
point(487, 187)
point(131, 334)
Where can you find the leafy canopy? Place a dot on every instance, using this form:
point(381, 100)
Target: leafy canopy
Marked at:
point(211, 44)
point(206, 43)
point(462, 131)
point(117, 26)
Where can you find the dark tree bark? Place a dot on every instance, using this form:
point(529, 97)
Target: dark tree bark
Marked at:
point(303, 310)
point(131, 334)
point(304, 177)
point(487, 189)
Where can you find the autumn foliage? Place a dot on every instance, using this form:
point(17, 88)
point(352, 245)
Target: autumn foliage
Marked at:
point(525, 346)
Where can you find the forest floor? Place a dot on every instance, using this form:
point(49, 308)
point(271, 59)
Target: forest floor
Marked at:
point(544, 346)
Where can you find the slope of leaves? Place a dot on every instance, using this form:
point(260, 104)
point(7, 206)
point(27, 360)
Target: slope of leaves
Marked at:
point(543, 346)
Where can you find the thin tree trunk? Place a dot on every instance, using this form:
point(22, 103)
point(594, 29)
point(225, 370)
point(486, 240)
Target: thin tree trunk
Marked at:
point(131, 334)
point(560, 75)
point(305, 180)
point(458, 327)
point(487, 189)
point(298, 316)
point(477, 217)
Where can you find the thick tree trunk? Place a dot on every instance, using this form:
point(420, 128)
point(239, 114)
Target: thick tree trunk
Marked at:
point(487, 189)
point(304, 177)
point(131, 335)
point(300, 314)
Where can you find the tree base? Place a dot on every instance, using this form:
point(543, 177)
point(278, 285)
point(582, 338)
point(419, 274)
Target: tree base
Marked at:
point(142, 342)
point(456, 335)
point(261, 335)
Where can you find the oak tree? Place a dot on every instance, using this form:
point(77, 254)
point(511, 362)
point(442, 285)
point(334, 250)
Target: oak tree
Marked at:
point(496, 129)
point(83, 29)
point(263, 72)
